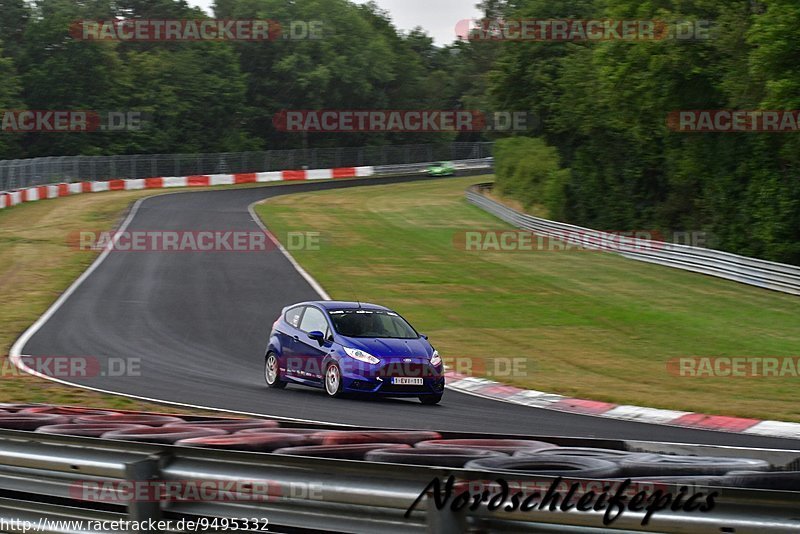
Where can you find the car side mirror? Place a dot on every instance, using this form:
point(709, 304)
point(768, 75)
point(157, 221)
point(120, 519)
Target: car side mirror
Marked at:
point(317, 336)
point(423, 336)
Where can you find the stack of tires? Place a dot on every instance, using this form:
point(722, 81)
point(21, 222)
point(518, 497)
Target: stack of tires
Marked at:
point(425, 448)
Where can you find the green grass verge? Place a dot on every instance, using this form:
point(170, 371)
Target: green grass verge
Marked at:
point(587, 324)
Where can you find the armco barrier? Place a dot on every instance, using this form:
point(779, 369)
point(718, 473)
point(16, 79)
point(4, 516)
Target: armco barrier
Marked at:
point(750, 271)
point(32, 194)
point(60, 477)
point(24, 173)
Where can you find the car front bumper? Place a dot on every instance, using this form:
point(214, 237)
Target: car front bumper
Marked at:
point(378, 380)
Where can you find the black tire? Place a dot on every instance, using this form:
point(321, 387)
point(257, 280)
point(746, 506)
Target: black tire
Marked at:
point(352, 451)
point(272, 371)
point(612, 455)
point(430, 400)
point(649, 465)
point(434, 456)
point(551, 465)
point(693, 481)
point(508, 446)
point(333, 388)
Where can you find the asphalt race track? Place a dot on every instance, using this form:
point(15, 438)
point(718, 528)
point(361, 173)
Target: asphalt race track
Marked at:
point(200, 322)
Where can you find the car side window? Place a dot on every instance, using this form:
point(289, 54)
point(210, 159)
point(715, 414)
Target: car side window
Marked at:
point(293, 316)
point(313, 320)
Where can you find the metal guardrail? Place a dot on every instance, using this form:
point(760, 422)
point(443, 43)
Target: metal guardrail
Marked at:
point(17, 174)
point(751, 271)
point(39, 474)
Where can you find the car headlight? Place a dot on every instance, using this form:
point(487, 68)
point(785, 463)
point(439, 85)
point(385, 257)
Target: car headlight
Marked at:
point(360, 355)
point(436, 360)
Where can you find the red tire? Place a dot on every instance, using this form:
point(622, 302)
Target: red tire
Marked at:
point(311, 436)
point(352, 451)
point(245, 442)
point(31, 421)
point(231, 425)
point(65, 410)
point(342, 437)
point(280, 430)
point(165, 435)
point(11, 408)
point(133, 419)
point(88, 430)
point(507, 446)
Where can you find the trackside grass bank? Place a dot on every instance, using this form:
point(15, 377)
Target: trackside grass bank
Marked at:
point(37, 263)
point(582, 324)
point(36, 266)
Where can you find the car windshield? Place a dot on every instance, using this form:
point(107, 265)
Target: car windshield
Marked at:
point(371, 323)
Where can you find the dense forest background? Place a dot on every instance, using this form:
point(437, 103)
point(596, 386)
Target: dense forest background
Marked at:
point(600, 153)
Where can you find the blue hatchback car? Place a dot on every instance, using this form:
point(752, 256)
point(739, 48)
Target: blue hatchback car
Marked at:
point(351, 347)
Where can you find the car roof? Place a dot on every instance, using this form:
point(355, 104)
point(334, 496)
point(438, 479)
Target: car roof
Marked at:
point(329, 305)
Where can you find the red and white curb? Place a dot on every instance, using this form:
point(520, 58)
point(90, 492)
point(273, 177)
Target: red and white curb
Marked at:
point(489, 389)
point(42, 192)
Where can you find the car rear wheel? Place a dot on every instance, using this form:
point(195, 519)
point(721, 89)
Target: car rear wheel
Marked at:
point(333, 380)
point(430, 399)
point(272, 372)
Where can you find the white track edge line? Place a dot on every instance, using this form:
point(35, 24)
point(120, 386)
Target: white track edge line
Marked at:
point(308, 278)
point(617, 418)
point(15, 354)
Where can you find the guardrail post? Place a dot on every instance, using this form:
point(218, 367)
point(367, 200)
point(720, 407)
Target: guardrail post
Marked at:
point(136, 472)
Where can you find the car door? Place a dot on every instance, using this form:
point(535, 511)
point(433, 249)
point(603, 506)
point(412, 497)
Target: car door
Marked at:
point(310, 352)
point(290, 342)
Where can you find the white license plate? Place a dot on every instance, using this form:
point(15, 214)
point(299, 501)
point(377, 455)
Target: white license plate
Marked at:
point(405, 381)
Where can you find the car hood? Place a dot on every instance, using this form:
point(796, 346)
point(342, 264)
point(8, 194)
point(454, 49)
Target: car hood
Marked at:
point(391, 348)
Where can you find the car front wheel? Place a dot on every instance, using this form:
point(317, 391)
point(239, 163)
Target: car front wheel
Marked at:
point(272, 372)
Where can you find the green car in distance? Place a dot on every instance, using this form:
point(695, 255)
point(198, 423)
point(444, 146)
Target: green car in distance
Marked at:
point(442, 168)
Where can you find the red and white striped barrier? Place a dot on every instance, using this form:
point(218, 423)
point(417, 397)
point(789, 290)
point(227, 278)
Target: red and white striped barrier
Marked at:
point(482, 387)
point(32, 194)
